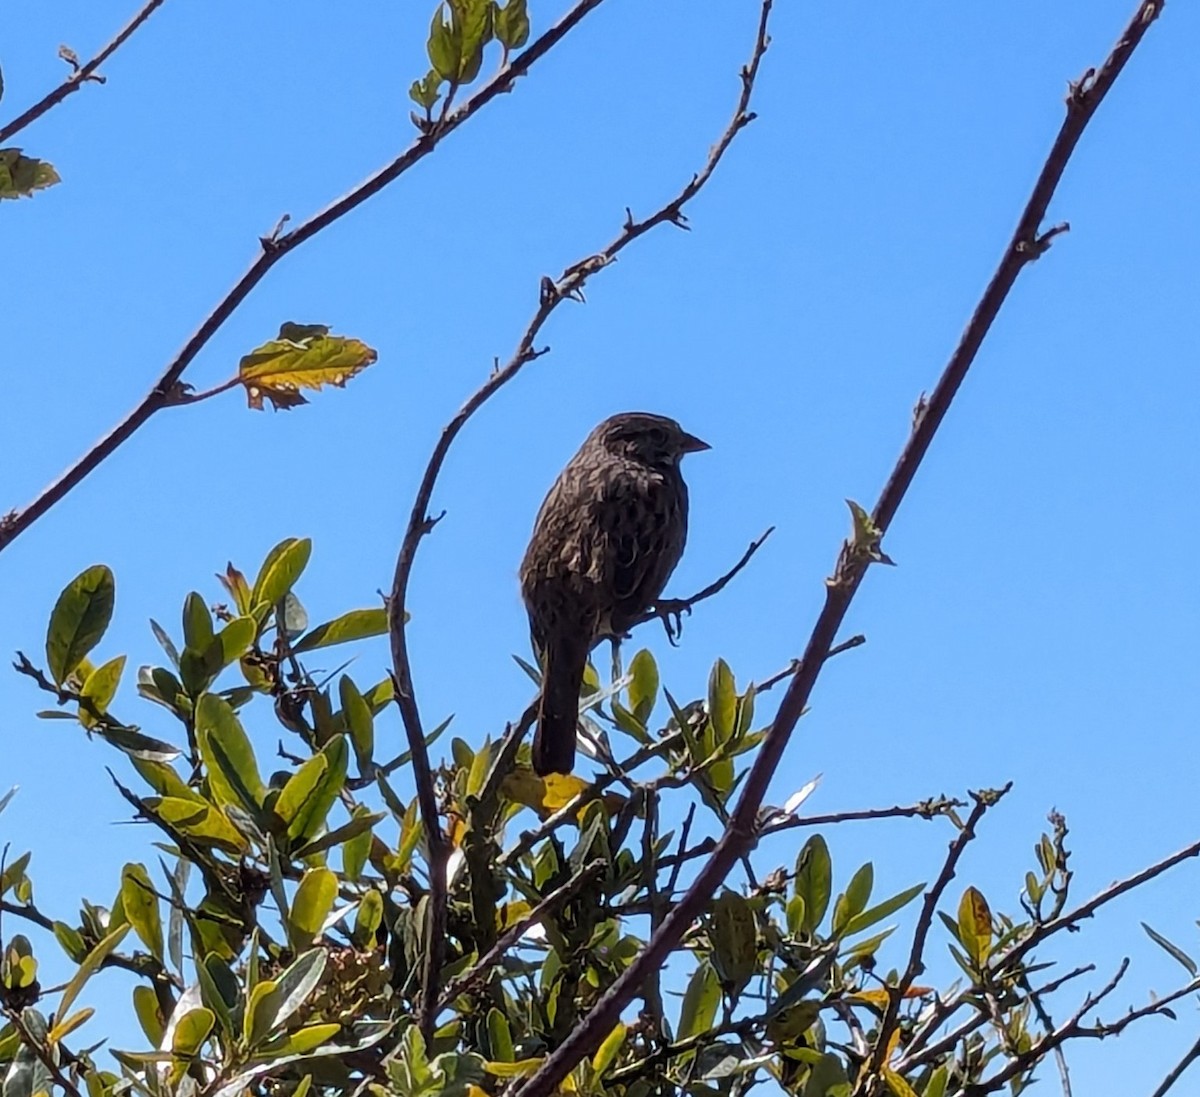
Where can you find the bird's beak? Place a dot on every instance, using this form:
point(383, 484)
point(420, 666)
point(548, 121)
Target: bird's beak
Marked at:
point(689, 443)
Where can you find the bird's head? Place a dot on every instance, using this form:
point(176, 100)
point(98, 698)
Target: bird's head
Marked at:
point(652, 440)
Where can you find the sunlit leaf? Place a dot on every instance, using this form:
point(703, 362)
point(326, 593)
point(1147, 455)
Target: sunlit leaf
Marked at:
point(358, 624)
point(303, 356)
point(79, 620)
point(141, 907)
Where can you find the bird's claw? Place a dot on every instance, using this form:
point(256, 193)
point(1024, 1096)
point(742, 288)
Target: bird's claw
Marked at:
point(670, 611)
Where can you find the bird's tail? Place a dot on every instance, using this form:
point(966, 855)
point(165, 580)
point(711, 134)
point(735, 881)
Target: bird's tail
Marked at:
point(558, 710)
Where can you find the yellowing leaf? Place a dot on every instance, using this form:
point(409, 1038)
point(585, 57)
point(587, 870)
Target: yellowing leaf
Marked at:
point(561, 789)
point(68, 1026)
point(304, 356)
point(522, 1068)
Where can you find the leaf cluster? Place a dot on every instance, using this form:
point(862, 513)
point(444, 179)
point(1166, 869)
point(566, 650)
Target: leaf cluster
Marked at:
point(278, 938)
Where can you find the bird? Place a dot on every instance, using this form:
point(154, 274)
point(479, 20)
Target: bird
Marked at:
point(605, 541)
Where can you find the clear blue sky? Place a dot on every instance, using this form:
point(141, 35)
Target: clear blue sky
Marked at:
point(1042, 624)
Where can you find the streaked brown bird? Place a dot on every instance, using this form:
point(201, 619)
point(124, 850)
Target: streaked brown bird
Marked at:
point(606, 540)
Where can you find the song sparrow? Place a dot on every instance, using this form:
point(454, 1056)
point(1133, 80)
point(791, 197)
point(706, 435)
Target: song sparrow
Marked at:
point(606, 539)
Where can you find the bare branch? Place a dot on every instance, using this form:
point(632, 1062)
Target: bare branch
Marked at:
point(740, 833)
point(916, 957)
point(165, 390)
point(672, 609)
point(1176, 1072)
point(80, 75)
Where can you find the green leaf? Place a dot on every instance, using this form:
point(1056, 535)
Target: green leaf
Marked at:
point(700, 1002)
point(141, 907)
point(71, 940)
point(304, 356)
point(511, 23)
point(89, 967)
point(734, 934)
point(79, 620)
point(360, 823)
point(476, 16)
point(643, 682)
point(311, 905)
point(226, 750)
point(317, 784)
point(219, 990)
point(356, 850)
point(607, 1052)
point(261, 1007)
point(14, 872)
point(500, 1041)
point(424, 92)
point(300, 1042)
point(1172, 950)
point(877, 913)
point(359, 722)
point(854, 901)
point(191, 1031)
point(827, 1078)
point(199, 821)
point(280, 570)
point(358, 624)
point(939, 1080)
point(445, 45)
point(975, 927)
point(293, 988)
point(367, 920)
point(814, 881)
point(21, 175)
point(197, 623)
point(722, 702)
point(233, 641)
point(145, 1008)
point(100, 688)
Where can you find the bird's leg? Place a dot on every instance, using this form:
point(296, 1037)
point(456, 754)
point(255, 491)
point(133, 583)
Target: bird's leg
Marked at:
point(616, 658)
point(670, 611)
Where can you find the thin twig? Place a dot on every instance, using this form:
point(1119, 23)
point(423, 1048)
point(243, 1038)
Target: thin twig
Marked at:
point(1040, 1048)
point(477, 972)
point(1176, 1072)
point(1026, 244)
point(41, 1051)
point(1007, 960)
point(790, 670)
point(667, 608)
point(79, 76)
point(568, 287)
point(916, 957)
point(166, 390)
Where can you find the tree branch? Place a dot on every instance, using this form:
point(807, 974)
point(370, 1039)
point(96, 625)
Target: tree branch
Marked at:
point(79, 76)
point(916, 957)
point(667, 608)
point(44, 1054)
point(552, 294)
point(1176, 1072)
point(166, 390)
point(739, 835)
point(477, 972)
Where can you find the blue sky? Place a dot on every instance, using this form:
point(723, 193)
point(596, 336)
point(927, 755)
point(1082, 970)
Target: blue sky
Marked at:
point(1042, 622)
